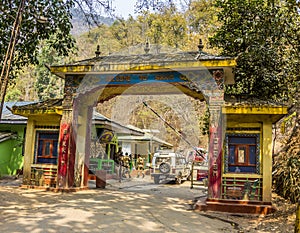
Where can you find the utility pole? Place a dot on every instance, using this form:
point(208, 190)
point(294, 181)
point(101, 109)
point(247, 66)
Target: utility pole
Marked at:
point(4, 78)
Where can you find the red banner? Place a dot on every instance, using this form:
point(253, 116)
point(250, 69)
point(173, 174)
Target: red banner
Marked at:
point(64, 141)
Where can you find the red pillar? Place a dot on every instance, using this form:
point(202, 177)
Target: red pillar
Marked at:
point(67, 149)
point(215, 148)
point(215, 162)
point(63, 157)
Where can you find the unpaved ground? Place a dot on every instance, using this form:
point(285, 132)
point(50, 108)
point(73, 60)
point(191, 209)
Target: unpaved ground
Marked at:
point(130, 206)
point(282, 221)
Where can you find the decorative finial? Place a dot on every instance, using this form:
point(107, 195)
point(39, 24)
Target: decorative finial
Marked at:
point(147, 47)
point(97, 52)
point(200, 46)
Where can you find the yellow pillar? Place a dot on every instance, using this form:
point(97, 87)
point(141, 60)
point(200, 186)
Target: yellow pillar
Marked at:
point(267, 162)
point(28, 152)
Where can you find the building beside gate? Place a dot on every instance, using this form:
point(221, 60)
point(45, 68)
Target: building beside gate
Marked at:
point(240, 132)
point(145, 145)
point(247, 157)
point(12, 134)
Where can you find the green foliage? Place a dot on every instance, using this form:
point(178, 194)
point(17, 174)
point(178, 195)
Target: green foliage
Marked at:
point(286, 178)
point(202, 16)
point(32, 31)
point(13, 95)
point(258, 33)
point(35, 82)
point(168, 27)
point(202, 21)
point(46, 84)
point(127, 32)
point(22, 87)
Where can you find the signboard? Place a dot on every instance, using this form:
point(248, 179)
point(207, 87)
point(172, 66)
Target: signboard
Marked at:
point(106, 136)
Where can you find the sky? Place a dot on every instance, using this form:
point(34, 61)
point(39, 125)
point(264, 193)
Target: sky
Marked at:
point(124, 7)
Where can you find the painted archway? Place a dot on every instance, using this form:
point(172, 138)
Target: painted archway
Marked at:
point(88, 82)
point(236, 174)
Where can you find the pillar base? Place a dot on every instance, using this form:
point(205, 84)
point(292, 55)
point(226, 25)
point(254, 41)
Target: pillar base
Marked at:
point(235, 206)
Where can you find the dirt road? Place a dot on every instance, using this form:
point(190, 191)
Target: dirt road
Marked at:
point(135, 205)
point(130, 206)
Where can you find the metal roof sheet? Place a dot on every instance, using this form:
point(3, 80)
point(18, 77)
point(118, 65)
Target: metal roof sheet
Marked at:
point(8, 117)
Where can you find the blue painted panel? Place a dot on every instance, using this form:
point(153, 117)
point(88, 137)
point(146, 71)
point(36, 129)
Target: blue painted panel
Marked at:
point(242, 169)
point(242, 140)
point(231, 154)
point(202, 76)
point(47, 160)
point(252, 154)
point(49, 135)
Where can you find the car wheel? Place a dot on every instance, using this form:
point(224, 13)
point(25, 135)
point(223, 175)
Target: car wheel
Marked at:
point(164, 168)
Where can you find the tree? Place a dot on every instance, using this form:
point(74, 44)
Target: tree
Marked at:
point(56, 16)
point(48, 85)
point(286, 167)
point(264, 35)
point(158, 5)
point(202, 21)
point(127, 32)
point(166, 27)
point(258, 33)
point(22, 87)
point(24, 24)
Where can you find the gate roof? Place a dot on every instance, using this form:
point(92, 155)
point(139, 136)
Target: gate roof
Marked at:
point(152, 61)
point(156, 64)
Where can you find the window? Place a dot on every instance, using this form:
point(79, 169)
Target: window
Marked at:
point(242, 153)
point(47, 147)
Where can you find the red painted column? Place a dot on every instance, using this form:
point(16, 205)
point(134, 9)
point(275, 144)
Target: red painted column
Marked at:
point(66, 156)
point(71, 164)
point(64, 142)
point(215, 148)
point(67, 139)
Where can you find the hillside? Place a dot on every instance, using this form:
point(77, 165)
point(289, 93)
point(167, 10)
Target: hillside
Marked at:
point(79, 22)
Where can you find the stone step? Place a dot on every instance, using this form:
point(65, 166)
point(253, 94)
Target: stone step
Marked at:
point(239, 207)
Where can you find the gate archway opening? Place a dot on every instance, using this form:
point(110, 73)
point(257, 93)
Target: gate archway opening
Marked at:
point(89, 82)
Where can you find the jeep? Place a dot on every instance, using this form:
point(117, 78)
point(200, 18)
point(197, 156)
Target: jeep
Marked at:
point(169, 166)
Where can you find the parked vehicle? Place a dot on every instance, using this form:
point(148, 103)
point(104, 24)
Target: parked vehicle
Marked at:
point(169, 166)
point(199, 166)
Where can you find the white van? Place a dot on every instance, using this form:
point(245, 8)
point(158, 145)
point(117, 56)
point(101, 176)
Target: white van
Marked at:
point(169, 166)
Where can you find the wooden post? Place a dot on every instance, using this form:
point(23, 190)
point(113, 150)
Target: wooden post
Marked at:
point(192, 175)
point(297, 223)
